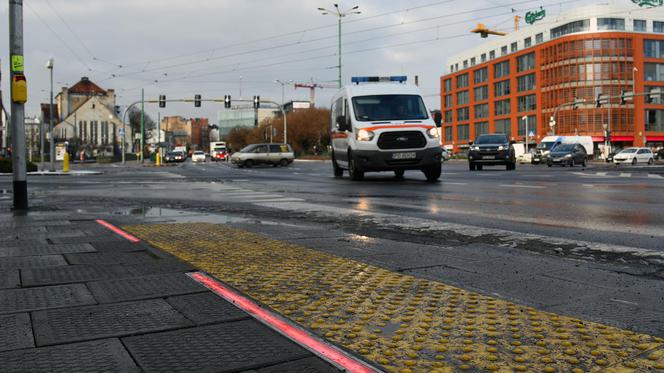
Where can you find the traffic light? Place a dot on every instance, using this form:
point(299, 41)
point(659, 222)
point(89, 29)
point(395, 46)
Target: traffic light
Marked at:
point(227, 101)
point(162, 100)
point(197, 100)
point(257, 102)
point(598, 101)
point(117, 110)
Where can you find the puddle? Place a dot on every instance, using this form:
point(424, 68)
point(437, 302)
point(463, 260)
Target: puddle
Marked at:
point(167, 215)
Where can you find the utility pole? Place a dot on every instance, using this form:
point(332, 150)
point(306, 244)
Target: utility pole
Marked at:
point(340, 14)
point(158, 132)
point(19, 96)
point(49, 66)
point(142, 121)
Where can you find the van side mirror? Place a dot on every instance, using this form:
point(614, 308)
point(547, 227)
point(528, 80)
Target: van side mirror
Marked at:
point(341, 123)
point(438, 118)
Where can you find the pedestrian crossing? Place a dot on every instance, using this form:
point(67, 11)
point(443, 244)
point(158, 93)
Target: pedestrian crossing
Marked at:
point(608, 175)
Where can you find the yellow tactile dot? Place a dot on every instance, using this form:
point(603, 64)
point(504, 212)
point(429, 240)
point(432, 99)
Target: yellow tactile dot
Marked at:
point(354, 303)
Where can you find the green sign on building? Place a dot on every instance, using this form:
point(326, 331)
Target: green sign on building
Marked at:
point(535, 15)
point(648, 3)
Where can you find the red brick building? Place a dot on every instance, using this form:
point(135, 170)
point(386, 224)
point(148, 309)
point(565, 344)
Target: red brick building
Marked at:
point(527, 76)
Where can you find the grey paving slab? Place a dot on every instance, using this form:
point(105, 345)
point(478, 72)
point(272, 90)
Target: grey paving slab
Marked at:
point(54, 236)
point(12, 242)
point(15, 332)
point(107, 320)
point(96, 356)
point(226, 347)
point(33, 250)
point(72, 273)
point(110, 258)
point(9, 279)
point(22, 230)
point(159, 267)
point(144, 287)
point(307, 365)
point(32, 299)
point(206, 308)
point(24, 262)
point(81, 237)
point(119, 246)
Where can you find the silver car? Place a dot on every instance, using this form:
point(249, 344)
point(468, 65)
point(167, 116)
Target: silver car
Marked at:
point(271, 154)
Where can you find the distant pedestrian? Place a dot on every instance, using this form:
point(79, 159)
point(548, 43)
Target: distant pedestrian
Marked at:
point(82, 156)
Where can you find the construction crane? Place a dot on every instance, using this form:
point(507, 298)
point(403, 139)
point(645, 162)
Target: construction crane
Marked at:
point(312, 89)
point(484, 31)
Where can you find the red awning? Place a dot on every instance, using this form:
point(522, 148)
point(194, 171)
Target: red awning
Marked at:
point(622, 138)
point(655, 138)
point(598, 138)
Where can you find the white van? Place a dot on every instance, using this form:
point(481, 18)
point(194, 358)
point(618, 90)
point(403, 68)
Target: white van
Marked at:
point(382, 124)
point(549, 142)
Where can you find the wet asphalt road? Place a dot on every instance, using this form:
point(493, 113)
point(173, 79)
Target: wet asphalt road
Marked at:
point(582, 242)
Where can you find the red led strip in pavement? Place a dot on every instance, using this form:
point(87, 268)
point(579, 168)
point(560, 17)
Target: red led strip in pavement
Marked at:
point(118, 231)
point(309, 341)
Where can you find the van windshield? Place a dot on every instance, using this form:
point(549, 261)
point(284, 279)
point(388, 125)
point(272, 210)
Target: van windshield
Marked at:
point(389, 107)
point(545, 145)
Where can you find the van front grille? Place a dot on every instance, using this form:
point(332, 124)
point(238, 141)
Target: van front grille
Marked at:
point(402, 140)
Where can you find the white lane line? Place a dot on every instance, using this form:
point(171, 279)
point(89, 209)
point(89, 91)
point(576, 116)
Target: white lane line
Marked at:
point(625, 174)
point(521, 186)
point(655, 176)
point(239, 180)
point(624, 302)
point(452, 183)
point(588, 185)
point(601, 173)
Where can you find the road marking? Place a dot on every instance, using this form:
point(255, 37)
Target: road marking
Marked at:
point(601, 173)
point(452, 183)
point(624, 302)
point(625, 174)
point(521, 186)
point(655, 176)
point(118, 231)
point(588, 185)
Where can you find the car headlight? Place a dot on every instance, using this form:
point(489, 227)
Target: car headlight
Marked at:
point(500, 147)
point(568, 156)
point(474, 148)
point(364, 135)
point(433, 133)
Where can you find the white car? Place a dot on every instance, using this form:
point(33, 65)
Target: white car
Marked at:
point(634, 156)
point(446, 155)
point(198, 156)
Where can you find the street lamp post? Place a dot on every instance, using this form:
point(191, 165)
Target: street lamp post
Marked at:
point(283, 84)
point(525, 120)
point(337, 12)
point(49, 66)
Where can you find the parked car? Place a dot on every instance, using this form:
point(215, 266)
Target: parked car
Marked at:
point(272, 154)
point(491, 150)
point(634, 156)
point(446, 155)
point(567, 155)
point(198, 156)
point(176, 156)
point(525, 158)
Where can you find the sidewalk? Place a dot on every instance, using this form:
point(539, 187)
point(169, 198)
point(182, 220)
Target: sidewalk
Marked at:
point(75, 296)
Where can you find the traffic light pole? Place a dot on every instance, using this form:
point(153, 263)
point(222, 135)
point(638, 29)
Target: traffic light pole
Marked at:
point(17, 119)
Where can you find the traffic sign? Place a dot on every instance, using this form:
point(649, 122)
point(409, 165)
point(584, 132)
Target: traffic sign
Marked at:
point(531, 134)
point(121, 131)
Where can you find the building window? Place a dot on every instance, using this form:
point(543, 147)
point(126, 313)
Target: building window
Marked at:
point(481, 75)
point(448, 134)
point(539, 38)
point(639, 25)
point(502, 107)
point(462, 98)
point(532, 126)
point(448, 85)
point(462, 81)
point(502, 88)
point(481, 93)
point(527, 42)
point(525, 62)
point(503, 50)
point(451, 68)
point(462, 132)
point(492, 55)
point(570, 28)
point(655, 120)
point(501, 69)
point(654, 72)
point(655, 98)
point(611, 24)
point(503, 126)
point(465, 64)
point(525, 82)
point(456, 67)
point(482, 111)
point(653, 48)
point(658, 26)
point(472, 61)
point(481, 128)
point(527, 103)
point(448, 101)
point(483, 57)
point(463, 114)
point(448, 117)
point(513, 47)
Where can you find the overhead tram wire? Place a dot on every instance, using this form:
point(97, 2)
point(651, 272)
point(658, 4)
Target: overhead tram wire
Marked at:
point(189, 63)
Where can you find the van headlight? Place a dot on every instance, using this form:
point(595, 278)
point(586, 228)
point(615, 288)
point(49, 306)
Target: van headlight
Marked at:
point(475, 148)
point(433, 133)
point(364, 135)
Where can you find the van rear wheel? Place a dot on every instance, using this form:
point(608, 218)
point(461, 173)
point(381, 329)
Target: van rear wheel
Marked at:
point(283, 162)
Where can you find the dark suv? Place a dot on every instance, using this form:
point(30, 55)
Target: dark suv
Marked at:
point(491, 150)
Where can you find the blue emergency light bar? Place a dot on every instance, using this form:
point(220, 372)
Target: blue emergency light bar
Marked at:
point(373, 79)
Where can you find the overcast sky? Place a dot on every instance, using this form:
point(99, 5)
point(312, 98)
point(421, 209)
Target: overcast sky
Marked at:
point(217, 47)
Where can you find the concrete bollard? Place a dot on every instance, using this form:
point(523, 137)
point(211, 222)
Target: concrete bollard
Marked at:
point(65, 163)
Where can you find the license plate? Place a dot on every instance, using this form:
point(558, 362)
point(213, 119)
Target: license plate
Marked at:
point(489, 157)
point(410, 155)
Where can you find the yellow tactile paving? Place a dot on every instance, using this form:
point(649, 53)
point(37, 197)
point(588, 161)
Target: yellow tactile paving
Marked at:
point(398, 321)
